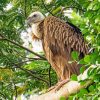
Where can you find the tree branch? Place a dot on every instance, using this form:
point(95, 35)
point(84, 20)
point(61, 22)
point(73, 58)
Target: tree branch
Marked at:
point(15, 91)
point(73, 7)
point(4, 96)
point(17, 65)
point(29, 58)
point(6, 39)
point(25, 61)
point(49, 76)
point(67, 89)
point(25, 5)
point(47, 8)
point(32, 74)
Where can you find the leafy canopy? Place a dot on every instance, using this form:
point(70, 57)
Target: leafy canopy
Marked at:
point(17, 75)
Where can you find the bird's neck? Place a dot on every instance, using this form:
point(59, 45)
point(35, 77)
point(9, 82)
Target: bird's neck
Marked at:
point(36, 31)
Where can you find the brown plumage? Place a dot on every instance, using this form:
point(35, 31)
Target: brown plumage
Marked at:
point(59, 39)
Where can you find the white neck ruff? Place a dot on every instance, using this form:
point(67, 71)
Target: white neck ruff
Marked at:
point(35, 30)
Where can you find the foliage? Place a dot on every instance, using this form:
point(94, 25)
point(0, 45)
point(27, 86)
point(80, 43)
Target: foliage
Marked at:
point(19, 77)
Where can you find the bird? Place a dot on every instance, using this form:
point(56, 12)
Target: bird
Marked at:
point(59, 39)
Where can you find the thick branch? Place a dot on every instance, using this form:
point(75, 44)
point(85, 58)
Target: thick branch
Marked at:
point(66, 90)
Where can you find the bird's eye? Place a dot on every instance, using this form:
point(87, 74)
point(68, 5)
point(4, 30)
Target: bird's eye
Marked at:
point(34, 15)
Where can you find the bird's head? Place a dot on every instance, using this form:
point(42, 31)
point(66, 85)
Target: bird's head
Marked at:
point(33, 21)
point(35, 17)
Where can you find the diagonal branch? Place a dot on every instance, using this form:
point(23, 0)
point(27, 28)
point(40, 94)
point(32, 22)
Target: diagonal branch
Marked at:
point(47, 8)
point(6, 39)
point(66, 90)
point(17, 65)
point(29, 58)
point(32, 73)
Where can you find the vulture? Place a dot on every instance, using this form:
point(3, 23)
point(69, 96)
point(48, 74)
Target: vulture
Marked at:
point(59, 39)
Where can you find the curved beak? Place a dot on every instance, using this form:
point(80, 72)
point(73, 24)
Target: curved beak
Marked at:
point(29, 20)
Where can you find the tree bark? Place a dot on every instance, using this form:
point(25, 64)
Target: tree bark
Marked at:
point(66, 90)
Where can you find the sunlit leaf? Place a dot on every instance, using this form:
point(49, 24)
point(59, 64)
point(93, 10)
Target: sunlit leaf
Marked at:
point(74, 77)
point(74, 55)
point(62, 98)
point(87, 58)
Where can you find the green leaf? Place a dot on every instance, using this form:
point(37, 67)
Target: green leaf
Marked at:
point(85, 15)
point(70, 97)
point(74, 77)
point(91, 88)
point(82, 61)
point(74, 55)
point(87, 59)
point(82, 69)
point(82, 82)
point(83, 91)
point(62, 98)
point(79, 94)
point(96, 78)
point(89, 71)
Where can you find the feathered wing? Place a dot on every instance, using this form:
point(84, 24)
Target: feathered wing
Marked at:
point(59, 40)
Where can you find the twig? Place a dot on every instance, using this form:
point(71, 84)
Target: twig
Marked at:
point(15, 91)
point(49, 76)
point(3, 95)
point(18, 53)
point(79, 6)
point(20, 63)
point(1, 36)
point(32, 74)
point(73, 7)
point(25, 8)
point(47, 8)
point(28, 71)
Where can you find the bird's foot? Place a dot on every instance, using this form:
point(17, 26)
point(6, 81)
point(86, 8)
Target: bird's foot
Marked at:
point(51, 88)
point(60, 84)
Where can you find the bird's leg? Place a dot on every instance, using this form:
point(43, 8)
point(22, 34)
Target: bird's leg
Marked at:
point(51, 88)
point(60, 84)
